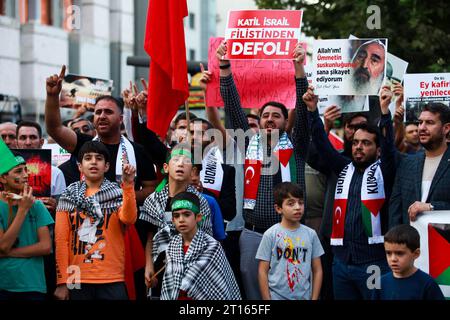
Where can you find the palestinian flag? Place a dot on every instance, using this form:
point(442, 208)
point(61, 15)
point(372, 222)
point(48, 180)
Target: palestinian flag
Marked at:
point(439, 255)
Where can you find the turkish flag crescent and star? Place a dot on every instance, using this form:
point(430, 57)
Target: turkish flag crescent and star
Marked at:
point(165, 44)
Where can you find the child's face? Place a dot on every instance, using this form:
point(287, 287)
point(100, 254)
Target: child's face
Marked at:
point(400, 258)
point(15, 179)
point(292, 209)
point(185, 221)
point(179, 168)
point(93, 166)
point(195, 179)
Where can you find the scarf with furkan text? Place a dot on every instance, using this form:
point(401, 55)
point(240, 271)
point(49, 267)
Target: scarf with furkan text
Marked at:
point(211, 175)
point(372, 200)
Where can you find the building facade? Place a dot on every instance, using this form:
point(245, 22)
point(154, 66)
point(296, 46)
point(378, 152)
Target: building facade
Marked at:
point(92, 37)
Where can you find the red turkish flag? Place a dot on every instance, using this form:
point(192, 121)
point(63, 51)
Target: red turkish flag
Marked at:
point(164, 42)
point(252, 176)
point(339, 211)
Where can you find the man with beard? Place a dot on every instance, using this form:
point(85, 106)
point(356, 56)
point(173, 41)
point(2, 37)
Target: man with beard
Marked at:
point(423, 179)
point(363, 187)
point(315, 161)
point(108, 117)
point(286, 156)
point(369, 61)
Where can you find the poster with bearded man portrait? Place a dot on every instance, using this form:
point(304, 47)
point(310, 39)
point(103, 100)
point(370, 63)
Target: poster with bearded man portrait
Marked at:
point(349, 66)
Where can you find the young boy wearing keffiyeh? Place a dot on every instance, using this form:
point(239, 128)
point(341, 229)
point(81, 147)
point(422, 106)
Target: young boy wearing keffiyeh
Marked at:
point(90, 225)
point(157, 214)
point(197, 268)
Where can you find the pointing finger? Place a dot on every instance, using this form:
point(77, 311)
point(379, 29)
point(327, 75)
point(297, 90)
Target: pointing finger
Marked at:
point(202, 68)
point(63, 72)
point(144, 83)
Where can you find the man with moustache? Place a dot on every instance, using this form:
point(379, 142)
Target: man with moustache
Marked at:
point(287, 156)
point(108, 117)
point(360, 214)
point(423, 179)
point(368, 73)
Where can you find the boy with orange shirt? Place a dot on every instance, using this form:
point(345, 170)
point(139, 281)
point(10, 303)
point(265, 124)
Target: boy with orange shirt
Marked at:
point(90, 225)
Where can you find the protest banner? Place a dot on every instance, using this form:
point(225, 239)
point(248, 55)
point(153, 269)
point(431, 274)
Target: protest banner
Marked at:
point(39, 166)
point(395, 71)
point(262, 34)
point(349, 66)
point(59, 154)
point(257, 81)
point(434, 259)
point(80, 91)
point(423, 88)
point(347, 104)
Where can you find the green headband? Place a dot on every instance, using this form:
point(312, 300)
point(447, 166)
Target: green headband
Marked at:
point(179, 152)
point(186, 205)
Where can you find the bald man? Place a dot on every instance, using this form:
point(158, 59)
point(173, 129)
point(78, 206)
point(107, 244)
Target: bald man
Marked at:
point(8, 134)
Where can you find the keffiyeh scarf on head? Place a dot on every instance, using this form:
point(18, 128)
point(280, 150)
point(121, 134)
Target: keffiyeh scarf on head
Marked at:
point(106, 201)
point(154, 209)
point(203, 272)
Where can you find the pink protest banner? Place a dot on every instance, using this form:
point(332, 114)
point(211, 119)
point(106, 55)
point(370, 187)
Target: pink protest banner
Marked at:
point(262, 34)
point(257, 81)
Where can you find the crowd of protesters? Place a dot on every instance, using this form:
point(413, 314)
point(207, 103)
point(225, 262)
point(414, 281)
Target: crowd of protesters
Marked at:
point(201, 214)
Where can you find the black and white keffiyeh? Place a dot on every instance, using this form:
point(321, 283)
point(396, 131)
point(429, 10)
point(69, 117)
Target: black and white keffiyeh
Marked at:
point(154, 209)
point(106, 201)
point(203, 272)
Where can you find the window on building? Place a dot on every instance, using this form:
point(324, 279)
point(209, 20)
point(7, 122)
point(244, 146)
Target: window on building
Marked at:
point(192, 54)
point(8, 8)
point(192, 21)
point(46, 12)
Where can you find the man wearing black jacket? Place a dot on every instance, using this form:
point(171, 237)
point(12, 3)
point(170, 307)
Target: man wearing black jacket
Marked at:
point(360, 211)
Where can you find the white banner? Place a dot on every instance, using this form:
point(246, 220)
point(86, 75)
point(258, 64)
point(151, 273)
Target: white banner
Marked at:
point(423, 88)
point(349, 66)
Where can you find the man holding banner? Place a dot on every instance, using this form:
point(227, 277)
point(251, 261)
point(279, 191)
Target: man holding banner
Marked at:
point(259, 212)
point(360, 211)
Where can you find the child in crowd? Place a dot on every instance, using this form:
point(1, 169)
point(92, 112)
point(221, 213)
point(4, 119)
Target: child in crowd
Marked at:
point(90, 225)
point(197, 268)
point(216, 214)
point(24, 233)
point(405, 282)
point(289, 253)
point(156, 217)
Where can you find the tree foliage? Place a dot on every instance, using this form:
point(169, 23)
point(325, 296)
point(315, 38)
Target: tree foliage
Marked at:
point(418, 31)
